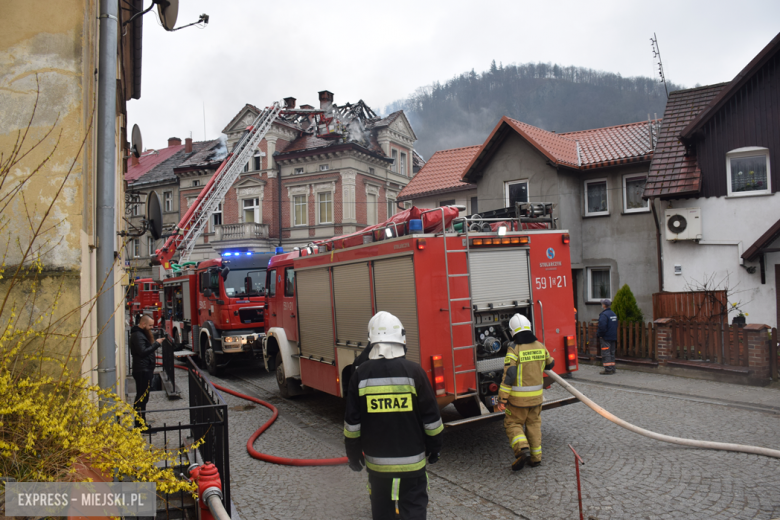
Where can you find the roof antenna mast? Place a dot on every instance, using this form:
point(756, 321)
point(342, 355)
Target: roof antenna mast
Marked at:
point(657, 54)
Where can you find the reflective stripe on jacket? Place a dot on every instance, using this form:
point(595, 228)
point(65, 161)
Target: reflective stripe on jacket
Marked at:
point(523, 377)
point(392, 418)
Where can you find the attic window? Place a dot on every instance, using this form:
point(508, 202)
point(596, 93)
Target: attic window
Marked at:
point(297, 171)
point(324, 167)
point(196, 182)
point(748, 172)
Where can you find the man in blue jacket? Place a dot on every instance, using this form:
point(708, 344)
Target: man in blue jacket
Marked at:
point(607, 334)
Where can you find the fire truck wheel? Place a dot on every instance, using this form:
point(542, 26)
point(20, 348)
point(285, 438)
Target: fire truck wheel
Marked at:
point(288, 387)
point(211, 361)
point(467, 407)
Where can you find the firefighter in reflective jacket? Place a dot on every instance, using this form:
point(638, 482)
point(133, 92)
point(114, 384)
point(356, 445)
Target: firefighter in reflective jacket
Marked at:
point(520, 393)
point(392, 423)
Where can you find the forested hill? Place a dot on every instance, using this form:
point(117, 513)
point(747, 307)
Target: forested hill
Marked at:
point(464, 110)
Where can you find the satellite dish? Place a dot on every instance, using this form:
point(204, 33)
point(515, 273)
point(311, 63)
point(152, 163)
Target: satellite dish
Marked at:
point(136, 143)
point(168, 11)
point(154, 215)
point(677, 224)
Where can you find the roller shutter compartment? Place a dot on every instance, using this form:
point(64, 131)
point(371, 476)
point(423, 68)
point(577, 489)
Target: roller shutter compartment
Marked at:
point(395, 293)
point(315, 314)
point(352, 294)
point(500, 277)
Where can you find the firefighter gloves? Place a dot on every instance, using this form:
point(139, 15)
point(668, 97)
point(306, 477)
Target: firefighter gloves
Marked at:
point(356, 464)
point(433, 458)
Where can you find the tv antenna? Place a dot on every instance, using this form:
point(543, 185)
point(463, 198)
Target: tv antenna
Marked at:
point(657, 54)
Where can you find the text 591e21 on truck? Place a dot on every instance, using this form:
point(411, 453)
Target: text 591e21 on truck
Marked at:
point(454, 293)
point(217, 308)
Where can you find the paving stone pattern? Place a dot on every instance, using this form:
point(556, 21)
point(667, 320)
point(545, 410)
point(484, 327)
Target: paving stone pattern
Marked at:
point(625, 475)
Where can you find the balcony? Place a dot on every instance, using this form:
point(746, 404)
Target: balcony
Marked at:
point(243, 234)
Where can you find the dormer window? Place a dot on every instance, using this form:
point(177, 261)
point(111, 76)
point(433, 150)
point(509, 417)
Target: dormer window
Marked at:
point(748, 171)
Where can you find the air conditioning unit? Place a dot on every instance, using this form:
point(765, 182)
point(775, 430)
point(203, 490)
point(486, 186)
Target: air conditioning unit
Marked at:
point(683, 223)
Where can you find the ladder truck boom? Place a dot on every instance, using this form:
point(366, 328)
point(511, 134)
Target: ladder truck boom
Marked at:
point(195, 219)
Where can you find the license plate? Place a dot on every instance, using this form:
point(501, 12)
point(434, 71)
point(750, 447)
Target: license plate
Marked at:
point(492, 400)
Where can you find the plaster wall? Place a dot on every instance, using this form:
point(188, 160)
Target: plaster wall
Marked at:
point(740, 221)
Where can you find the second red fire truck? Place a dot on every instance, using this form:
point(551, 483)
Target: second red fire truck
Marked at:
point(454, 292)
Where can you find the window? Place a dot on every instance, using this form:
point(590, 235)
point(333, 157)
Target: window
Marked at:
point(251, 209)
point(596, 198)
point(136, 209)
point(598, 283)
point(371, 209)
point(447, 203)
point(297, 171)
point(474, 206)
point(633, 186)
point(323, 167)
point(300, 213)
point(149, 247)
point(395, 161)
point(748, 171)
point(136, 248)
point(196, 182)
point(516, 191)
point(391, 208)
point(289, 282)
point(271, 283)
point(403, 164)
point(371, 171)
point(168, 201)
point(257, 158)
point(246, 166)
point(325, 207)
point(216, 217)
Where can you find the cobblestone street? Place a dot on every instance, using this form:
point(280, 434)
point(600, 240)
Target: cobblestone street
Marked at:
point(624, 476)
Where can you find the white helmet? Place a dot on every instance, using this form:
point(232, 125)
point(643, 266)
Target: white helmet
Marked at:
point(386, 328)
point(519, 323)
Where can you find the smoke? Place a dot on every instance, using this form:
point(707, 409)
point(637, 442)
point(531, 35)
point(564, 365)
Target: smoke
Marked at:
point(220, 152)
point(356, 131)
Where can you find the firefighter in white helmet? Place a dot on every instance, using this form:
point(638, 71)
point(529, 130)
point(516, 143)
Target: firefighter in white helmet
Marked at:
point(392, 423)
point(520, 393)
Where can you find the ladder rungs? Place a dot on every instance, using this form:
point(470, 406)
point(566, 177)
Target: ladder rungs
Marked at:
point(456, 275)
point(466, 371)
point(464, 348)
point(461, 323)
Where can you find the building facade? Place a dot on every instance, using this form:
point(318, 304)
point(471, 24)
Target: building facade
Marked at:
point(716, 170)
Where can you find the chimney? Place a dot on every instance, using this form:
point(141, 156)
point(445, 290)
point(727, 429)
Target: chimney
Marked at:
point(289, 102)
point(174, 141)
point(326, 100)
point(188, 145)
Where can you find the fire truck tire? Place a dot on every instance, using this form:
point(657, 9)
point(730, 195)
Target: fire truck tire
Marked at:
point(211, 362)
point(468, 407)
point(288, 387)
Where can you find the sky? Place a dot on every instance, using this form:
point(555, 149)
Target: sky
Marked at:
point(258, 52)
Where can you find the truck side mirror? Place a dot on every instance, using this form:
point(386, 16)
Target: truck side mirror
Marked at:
point(207, 292)
point(224, 273)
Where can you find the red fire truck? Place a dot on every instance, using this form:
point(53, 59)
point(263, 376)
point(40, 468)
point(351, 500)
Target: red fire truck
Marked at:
point(454, 292)
point(143, 297)
point(216, 308)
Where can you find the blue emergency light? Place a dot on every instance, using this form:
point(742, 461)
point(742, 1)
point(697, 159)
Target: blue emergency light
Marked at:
point(415, 224)
point(279, 251)
point(227, 254)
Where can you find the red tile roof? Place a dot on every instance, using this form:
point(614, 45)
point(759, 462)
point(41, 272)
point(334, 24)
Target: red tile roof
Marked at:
point(149, 160)
point(672, 172)
point(441, 174)
point(581, 150)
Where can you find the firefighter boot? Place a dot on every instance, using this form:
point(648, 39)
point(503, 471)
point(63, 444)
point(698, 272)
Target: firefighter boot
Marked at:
point(518, 464)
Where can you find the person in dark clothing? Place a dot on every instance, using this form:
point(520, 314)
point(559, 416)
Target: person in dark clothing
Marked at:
point(392, 424)
point(607, 334)
point(143, 347)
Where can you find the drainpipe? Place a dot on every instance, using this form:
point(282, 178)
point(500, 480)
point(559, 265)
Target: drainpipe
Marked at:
point(658, 247)
point(279, 195)
point(106, 192)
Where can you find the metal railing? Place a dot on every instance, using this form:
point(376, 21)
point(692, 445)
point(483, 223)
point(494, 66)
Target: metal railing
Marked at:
point(168, 360)
point(240, 231)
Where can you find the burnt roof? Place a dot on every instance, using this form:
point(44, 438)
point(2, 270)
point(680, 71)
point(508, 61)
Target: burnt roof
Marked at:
point(164, 171)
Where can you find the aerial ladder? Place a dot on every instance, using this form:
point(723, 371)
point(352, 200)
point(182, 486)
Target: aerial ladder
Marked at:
point(197, 216)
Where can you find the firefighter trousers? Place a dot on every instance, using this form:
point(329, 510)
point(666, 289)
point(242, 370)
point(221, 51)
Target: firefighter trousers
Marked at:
point(410, 495)
point(608, 354)
point(523, 425)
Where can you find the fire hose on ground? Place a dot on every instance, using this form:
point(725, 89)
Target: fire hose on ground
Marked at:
point(755, 450)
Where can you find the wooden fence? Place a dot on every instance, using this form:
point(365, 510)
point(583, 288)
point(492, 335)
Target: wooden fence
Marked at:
point(713, 342)
point(635, 340)
point(698, 306)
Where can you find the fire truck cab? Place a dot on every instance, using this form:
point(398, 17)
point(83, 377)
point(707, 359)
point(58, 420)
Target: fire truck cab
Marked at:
point(454, 292)
point(217, 308)
point(143, 297)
